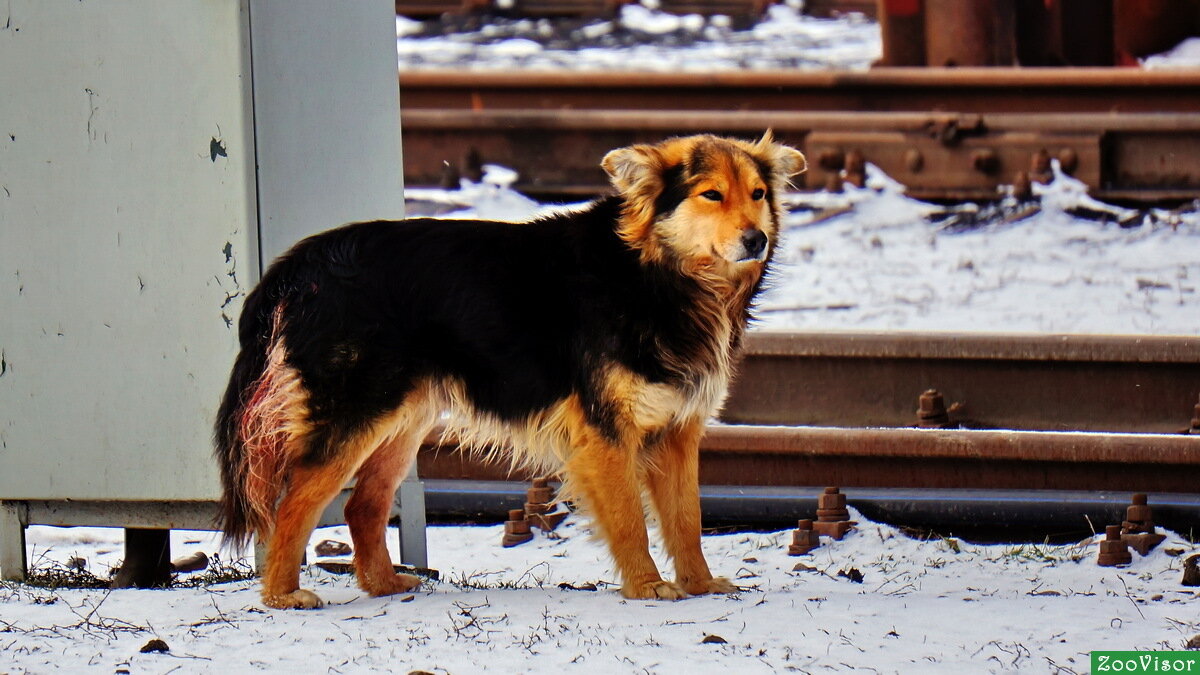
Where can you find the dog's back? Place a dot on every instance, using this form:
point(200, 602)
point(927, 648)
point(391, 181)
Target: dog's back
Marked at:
point(598, 341)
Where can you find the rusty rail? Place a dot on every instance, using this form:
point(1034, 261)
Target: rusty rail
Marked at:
point(842, 408)
point(965, 90)
point(913, 458)
point(1137, 156)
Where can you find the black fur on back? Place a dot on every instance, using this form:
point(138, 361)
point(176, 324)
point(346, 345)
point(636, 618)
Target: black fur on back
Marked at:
point(522, 314)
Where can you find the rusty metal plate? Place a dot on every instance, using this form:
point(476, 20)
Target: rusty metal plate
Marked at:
point(922, 160)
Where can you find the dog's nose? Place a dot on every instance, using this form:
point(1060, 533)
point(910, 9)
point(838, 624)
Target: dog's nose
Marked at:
point(754, 242)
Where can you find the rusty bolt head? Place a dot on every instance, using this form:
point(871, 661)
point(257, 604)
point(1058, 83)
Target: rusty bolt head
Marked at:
point(1022, 186)
point(1196, 420)
point(832, 491)
point(914, 160)
point(516, 515)
point(541, 482)
point(985, 161)
point(833, 183)
point(856, 162)
point(1112, 533)
point(1068, 160)
point(1139, 499)
point(931, 410)
point(450, 177)
point(805, 524)
point(1039, 162)
point(831, 159)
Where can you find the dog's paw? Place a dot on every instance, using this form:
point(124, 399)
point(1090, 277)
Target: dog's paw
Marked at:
point(390, 585)
point(719, 585)
point(297, 599)
point(654, 590)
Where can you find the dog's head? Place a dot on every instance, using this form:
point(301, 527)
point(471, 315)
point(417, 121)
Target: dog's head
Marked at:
point(704, 202)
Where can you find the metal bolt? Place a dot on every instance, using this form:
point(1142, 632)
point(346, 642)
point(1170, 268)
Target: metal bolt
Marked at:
point(1113, 550)
point(1195, 428)
point(450, 177)
point(1068, 160)
point(833, 519)
point(473, 165)
point(516, 530)
point(985, 161)
point(831, 160)
point(914, 160)
point(931, 410)
point(1022, 186)
point(804, 539)
point(856, 162)
point(1039, 167)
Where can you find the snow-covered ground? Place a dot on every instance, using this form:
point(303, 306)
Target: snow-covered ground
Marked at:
point(875, 259)
point(642, 37)
point(922, 606)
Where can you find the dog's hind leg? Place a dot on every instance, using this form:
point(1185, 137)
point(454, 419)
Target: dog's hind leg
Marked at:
point(369, 507)
point(673, 479)
point(606, 474)
point(310, 489)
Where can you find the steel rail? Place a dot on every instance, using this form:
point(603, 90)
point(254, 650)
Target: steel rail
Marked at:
point(911, 458)
point(978, 90)
point(1135, 155)
point(1132, 384)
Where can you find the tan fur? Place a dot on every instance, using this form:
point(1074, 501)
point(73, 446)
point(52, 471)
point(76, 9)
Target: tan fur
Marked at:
point(658, 427)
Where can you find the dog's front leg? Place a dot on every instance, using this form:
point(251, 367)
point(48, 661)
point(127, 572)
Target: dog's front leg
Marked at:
point(606, 475)
point(673, 479)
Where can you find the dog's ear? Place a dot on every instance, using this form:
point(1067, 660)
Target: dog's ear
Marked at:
point(787, 161)
point(633, 170)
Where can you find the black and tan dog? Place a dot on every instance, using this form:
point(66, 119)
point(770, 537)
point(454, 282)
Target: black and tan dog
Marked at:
point(597, 342)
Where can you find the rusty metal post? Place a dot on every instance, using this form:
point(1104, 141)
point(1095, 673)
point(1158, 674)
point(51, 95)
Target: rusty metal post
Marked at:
point(977, 33)
point(902, 23)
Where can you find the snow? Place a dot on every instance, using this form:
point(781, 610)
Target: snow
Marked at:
point(873, 259)
point(641, 37)
point(929, 606)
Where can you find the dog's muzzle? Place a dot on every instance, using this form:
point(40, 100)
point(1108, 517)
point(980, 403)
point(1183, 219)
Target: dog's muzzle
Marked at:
point(754, 244)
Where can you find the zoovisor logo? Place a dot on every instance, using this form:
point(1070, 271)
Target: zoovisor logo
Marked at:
point(1146, 662)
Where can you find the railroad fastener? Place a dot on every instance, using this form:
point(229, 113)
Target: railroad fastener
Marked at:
point(1137, 530)
point(1039, 167)
point(1191, 571)
point(540, 509)
point(1195, 426)
point(804, 538)
point(1068, 160)
point(985, 161)
point(1113, 550)
point(831, 159)
point(516, 529)
point(914, 160)
point(833, 520)
point(473, 165)
point(856, 168)
point(931, 410)
point(1022, 186)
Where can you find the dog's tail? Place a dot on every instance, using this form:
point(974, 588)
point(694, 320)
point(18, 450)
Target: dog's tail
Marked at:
point(258, 415)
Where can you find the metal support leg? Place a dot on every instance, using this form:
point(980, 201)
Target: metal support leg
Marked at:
point(413, 550)
point(13, 565)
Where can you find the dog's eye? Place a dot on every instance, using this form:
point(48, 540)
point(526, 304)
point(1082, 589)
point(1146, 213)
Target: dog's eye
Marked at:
point(758, 194)
point(712, 195)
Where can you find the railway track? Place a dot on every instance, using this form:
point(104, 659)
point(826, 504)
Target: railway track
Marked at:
point(950, 134)
point(1093, 413)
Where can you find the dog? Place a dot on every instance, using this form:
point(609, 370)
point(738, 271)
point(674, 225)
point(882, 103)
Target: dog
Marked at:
point(596, 342)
